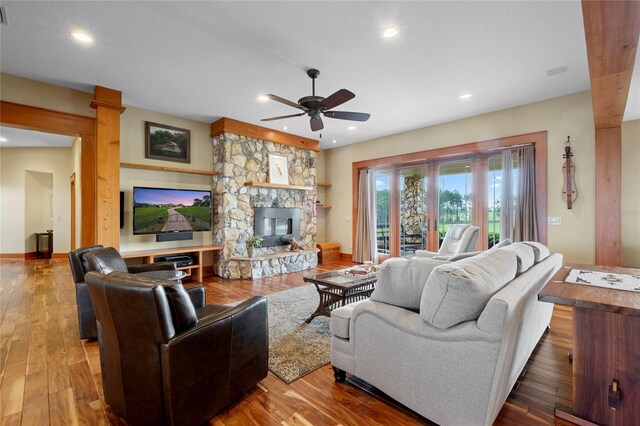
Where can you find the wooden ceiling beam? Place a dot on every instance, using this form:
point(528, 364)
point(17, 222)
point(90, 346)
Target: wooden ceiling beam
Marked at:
point(228, 125)
point(612, 29)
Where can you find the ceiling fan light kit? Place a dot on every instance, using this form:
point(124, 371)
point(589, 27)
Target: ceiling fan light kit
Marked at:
point(317, 106)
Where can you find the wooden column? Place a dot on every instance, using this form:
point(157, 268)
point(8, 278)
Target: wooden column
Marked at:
point(612, 29)
point(608, 196)
point(108, 106)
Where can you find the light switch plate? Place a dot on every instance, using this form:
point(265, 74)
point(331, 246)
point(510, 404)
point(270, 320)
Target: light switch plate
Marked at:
point(554, 220)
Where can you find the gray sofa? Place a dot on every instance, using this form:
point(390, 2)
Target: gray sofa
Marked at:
point(453, 346)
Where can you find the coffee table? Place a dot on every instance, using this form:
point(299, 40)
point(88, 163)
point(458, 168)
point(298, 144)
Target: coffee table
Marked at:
point(164, 275)
point(339, 288)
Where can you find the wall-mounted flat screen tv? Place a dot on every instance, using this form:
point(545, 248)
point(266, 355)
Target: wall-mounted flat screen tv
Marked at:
point(158, 210)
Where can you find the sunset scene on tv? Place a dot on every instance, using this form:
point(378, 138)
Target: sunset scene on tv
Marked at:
point(170, 210)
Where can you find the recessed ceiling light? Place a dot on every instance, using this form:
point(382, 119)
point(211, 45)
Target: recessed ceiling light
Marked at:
point(334, 141)
point(284, 128)
point(351, 127)
point(390, 32)
point(82, 37)
point(5, 139)
point(465, 96)
point(263, 98)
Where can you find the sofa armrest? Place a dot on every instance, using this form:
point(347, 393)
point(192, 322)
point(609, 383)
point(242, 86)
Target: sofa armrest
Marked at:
point(425, 253)
point(146, 267)
point(198, 295)
point(411, 323)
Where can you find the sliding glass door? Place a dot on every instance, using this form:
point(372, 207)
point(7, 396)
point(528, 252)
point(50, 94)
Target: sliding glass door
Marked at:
point(383, 211)
point(455, 200)
point(416, 205)
point(413, 209)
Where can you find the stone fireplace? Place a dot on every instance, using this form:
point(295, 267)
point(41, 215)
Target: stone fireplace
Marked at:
point(241, 160)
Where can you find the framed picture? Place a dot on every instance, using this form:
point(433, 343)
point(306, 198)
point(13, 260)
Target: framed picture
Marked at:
point(278, 172)
point(167, 143)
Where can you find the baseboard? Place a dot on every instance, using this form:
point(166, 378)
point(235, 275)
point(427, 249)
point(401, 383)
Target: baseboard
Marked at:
point(16, 255)
point(60, 255)
point(31, 255)
point(346, 256)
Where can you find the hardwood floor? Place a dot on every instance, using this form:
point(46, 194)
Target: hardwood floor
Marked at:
point(50, 376)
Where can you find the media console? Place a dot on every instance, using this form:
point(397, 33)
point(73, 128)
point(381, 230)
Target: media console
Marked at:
point(194, 271)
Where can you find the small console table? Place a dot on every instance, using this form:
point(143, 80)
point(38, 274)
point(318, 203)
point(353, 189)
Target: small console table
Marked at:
point(606, 344)
point(194, 271)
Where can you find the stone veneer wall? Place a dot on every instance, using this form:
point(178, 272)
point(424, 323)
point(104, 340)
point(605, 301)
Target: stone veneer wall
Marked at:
point(413, 205)
point(241, 159)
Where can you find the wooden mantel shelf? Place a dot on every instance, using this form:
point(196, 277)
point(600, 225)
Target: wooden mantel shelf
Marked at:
point(278, 186)
point(169, 169)
point(324, 185)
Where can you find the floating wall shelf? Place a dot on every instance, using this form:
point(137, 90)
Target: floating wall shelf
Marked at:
point(324, 185)
point(278, 186)
point(169, 169)
point(323, 206)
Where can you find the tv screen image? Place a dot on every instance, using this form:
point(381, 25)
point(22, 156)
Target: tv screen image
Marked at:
point(157, 210)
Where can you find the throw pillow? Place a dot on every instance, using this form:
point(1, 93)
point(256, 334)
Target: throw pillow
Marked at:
point(524, 254)
point(540, 251)
point(458, 292)
point(401, 281)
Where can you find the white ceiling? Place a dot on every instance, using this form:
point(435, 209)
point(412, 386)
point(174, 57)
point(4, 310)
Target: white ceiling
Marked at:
point(19, 138)
point(206, 60)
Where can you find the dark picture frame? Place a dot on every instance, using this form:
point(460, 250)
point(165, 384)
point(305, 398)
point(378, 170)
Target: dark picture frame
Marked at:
point(167, 143)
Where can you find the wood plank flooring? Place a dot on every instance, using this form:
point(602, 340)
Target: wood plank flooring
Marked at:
point(50, 376)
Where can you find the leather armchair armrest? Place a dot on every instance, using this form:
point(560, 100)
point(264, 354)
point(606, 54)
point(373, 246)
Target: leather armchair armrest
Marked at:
point(230, 346)
point(198, 295)
point(146, 267)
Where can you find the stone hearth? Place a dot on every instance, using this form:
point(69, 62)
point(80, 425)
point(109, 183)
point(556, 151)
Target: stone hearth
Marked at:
point(272, 264)
point(241, 159)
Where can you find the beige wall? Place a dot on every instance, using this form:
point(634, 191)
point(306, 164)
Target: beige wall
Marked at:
point(43, 95)
point(631, 193)
point(321, 214)
point(77, 158)
point(132, 148)
point(568, 115)
point(14, 163)
point(38, 213)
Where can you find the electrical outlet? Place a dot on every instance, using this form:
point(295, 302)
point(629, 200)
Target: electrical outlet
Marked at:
point(554, 220)
point(348, 218)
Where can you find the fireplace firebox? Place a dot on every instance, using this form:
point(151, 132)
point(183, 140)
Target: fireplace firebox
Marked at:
point(277, 225)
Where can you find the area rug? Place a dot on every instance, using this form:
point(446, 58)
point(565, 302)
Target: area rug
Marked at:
point(295, 347)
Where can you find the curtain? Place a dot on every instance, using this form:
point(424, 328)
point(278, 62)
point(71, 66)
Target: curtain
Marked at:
point(526, 226)
point(365, 247)
point(506, 197)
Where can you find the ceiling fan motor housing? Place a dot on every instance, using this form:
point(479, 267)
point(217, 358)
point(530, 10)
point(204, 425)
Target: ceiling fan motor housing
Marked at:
point(310, 102)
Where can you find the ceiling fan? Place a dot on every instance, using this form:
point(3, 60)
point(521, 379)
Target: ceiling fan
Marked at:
point(316, 106)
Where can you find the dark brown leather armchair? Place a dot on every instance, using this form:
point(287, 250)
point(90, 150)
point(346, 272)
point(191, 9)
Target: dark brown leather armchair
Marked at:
point(105, 260)
point(162, 361)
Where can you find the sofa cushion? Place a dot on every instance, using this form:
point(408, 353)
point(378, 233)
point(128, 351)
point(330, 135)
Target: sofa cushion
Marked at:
point(458, 292)
point(341, 319)
point(540, 251)
point(401, 281)
point(183, 312)
point(524, 255)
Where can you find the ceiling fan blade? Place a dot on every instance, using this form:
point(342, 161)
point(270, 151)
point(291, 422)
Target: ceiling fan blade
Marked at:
point(347, 115)
point(283, 116)
point(316, 124)
point(338, 98)
point(284, 101)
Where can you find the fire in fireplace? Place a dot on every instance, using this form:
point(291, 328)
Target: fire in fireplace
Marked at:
point(277, 225)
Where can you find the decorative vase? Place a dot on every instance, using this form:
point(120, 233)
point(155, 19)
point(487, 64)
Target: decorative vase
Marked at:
point(249, 251)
